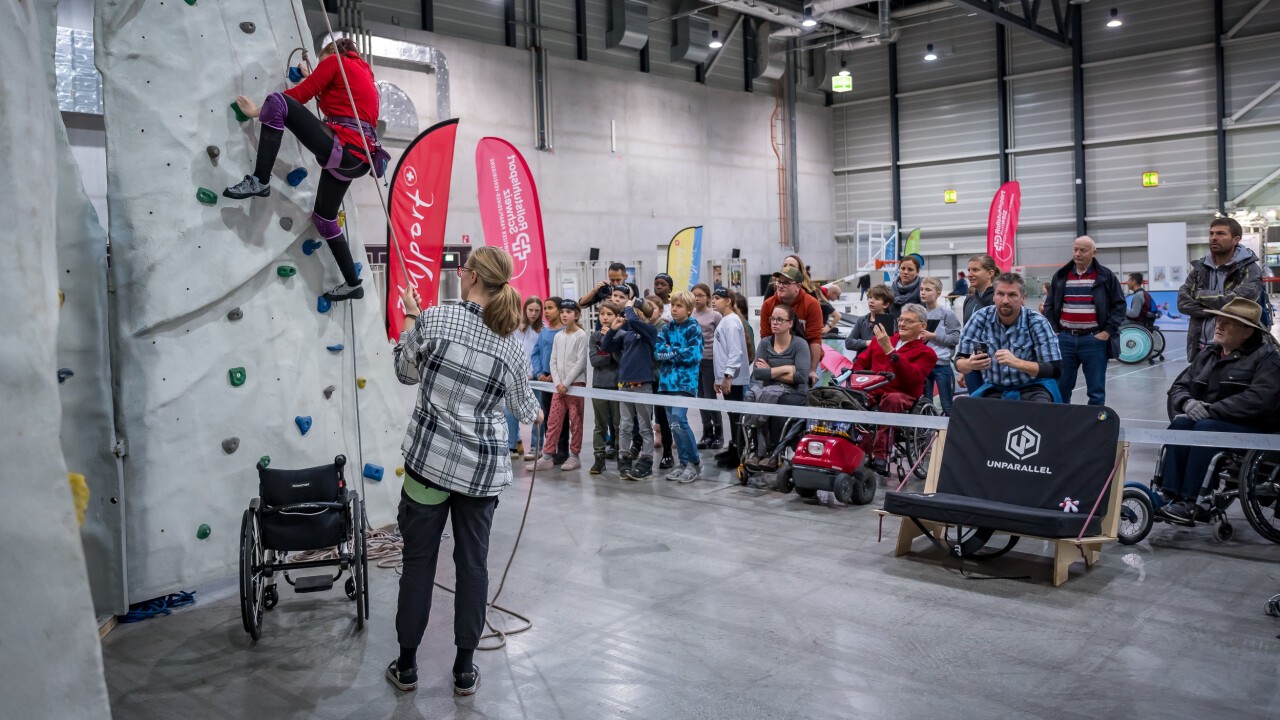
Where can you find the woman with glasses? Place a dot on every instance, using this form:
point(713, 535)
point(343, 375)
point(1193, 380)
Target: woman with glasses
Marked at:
point(470, 366)
point(780, 375)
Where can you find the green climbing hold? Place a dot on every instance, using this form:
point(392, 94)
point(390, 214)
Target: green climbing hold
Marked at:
point(191, 2)
point(206, 196)
point(237, 376)
point(240, 116)
point(264, 461)
point(203, 531)
point(286, 270)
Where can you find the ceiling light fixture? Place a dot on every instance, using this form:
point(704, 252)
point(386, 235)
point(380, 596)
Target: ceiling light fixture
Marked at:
point(715, 39)
point(808, 18)
point(1115, 20)
point(929, 54)
point(844, 68)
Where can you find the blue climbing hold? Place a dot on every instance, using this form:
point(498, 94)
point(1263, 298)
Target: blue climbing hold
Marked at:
point(373, 472)
point(295, 74)
point(296, 176)
point(335, 348)
point(322, 305)
point(310, 246)
point(304, 423)
point(64, 373)
point(359, 267)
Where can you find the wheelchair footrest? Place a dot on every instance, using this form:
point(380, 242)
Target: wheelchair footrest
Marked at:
point(313, 583)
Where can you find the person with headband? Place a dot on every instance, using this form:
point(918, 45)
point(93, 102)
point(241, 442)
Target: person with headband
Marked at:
point(470, 365)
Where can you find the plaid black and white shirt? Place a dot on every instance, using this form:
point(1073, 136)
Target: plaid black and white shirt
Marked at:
point(457, 435)
point(1030, 337)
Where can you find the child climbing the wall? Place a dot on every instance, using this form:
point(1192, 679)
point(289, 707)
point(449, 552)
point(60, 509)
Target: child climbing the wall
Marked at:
point(338, 143)
point(568, 369)
point(633, 335)
point(604, 375)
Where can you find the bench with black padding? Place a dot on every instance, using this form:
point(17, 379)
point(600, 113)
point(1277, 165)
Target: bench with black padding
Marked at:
point(1028, 469)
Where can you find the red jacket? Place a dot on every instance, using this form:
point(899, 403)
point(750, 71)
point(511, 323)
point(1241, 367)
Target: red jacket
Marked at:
point(325, 83)
point(915, 362)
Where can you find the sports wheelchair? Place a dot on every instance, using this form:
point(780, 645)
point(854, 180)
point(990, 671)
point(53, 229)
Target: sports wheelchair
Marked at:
point(299, 510)
point(1253, 476)
point(1140, 342)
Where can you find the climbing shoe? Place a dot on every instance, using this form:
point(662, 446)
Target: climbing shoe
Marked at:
point(248, 187)
point(345, 292)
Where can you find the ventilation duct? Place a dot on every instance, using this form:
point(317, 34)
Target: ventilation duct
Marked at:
point(692, 42)
point(771, 56)
point(859, 23)
point(628, 25)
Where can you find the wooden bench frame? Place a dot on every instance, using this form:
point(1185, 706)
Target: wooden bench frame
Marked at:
point(1066, 551)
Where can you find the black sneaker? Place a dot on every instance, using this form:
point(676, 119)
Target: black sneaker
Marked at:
point(246, 188)
point(643, 470)
point(624, 470)
point(705, 442)
point(667, 463)
point(467, 683)
point(403, 679)
point(610, 452)
point(728, 459)
point(879, 466)
point(1179, 511)
point(598, 466)
point(345, 292)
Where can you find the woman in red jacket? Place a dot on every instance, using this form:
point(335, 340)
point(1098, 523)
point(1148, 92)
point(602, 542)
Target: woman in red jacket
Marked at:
point(910, 360)
point(336, 142)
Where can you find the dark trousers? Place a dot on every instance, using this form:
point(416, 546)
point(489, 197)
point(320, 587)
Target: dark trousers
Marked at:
point(561, 452)
point(421, 527)
point(707, 390)
point(1184, 467)
point(737, 439)
point(664, 428)
point(316, 137)
point(1089, 353)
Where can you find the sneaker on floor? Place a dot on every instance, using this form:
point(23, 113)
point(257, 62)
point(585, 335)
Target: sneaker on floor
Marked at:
point(624, 471)
point(610, 452)
point(705, 442)
point(403, 679)
point(345, 292)
point(597, 467)
point(530, 456)
point(515, 453)
point(678, 473)
point(879, 466)
point(467, 683)
point(641, 471)
point(692, 473)
point(572, 463)
point(1181, 510)
point(519, 447)
point(546, 462)
point(248, 187)
point(667, 462)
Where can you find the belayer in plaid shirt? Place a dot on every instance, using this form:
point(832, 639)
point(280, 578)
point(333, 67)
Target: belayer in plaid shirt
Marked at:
point(1022, 356)
point(456, 457)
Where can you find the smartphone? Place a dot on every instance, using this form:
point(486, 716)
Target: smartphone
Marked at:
point(887, 322)
point(980, 349)
point(932, 325)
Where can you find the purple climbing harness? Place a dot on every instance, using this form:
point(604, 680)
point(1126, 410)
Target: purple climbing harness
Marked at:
point(380, 157)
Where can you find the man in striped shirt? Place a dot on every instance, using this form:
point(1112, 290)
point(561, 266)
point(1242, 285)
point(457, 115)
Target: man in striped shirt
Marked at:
point(1086, 306)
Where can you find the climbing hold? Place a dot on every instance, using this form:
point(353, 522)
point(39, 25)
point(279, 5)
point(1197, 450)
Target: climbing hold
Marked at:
point(296, 176)
point(240, 116)
point(237, 376)
point(191, 2)
point(286, 271)
point(328, 392)
point(295, 74)
point(400, 472)
point(79, 494)
point(213, 151)
point(322, 305)
point(264, 461)
point(373, 472)
point(248, 27)
point(230, 445)
point(203, 532)
point(359, 267)
point(304, 423)
point(286, 223)
point(310, 246)
point(64, 373)
point(342, 218)
point(62, 297)
point(336, 348)
point(361, 382)
point(206, 196)
point(235, 314)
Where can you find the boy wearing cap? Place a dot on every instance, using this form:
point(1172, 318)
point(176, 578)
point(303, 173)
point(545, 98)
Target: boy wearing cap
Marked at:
point(808, 314)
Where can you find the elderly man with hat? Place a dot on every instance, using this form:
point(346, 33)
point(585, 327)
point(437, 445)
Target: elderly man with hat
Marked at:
point(789, 292)
point(1232, 385)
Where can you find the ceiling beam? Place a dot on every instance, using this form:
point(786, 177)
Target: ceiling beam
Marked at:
point(993, 11)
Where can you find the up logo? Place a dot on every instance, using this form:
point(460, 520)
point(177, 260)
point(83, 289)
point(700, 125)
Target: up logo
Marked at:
point(1022, 442)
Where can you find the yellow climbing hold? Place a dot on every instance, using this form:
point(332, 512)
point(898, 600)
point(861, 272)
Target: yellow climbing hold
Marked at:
point(360, 382)
point(62, 297)
point(79, 495)
point(342, 219)
point(399, 472)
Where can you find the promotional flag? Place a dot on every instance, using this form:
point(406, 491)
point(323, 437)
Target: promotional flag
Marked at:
point(509, 213)
point(419, 205)
point(684, 254)
point(1002, 224)
point(912, 246)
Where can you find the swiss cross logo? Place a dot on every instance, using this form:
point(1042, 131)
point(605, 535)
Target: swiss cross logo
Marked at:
point(1022, 442)
point(410, 176)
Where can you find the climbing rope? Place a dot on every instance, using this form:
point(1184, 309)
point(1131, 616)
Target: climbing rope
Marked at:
point(158, 606)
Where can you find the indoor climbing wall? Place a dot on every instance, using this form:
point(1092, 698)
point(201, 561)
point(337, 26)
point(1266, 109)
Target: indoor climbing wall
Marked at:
point(50, 658)
point(224, 353)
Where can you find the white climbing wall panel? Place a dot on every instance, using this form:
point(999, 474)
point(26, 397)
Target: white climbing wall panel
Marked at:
point(170, 70)
point(50, 658)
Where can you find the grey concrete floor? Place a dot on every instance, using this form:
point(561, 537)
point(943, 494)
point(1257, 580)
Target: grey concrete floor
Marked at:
point(657, 600)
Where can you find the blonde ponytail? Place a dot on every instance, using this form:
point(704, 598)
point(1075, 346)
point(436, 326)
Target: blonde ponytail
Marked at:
point(493, 269)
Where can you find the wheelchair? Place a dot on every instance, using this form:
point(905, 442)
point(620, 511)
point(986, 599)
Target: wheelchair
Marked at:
point(295, 511)
point(1140, 342)
point(1251, 476)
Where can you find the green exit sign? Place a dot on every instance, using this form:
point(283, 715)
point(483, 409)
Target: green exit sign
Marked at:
point(841, 83)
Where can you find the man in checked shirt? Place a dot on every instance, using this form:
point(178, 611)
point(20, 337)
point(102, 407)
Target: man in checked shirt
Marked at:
point(1014, 348)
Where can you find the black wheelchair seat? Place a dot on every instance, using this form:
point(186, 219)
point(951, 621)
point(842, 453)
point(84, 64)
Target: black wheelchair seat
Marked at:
point(302, 509)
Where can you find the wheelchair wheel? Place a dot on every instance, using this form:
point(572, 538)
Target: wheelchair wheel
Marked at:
point(251, 580)
point(1135, 344)
point(917, 440)
point(970, 542)
point(1224, 531)
point(358, 585)
point(782, 481)
point(1157, 344)
point(1137, 515)
point(1260, 492)
point(843, 488)
point(864, 487)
